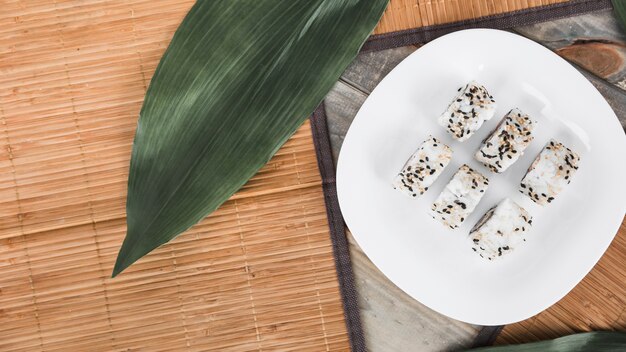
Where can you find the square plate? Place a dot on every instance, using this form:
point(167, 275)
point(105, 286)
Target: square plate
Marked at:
point(436, 265)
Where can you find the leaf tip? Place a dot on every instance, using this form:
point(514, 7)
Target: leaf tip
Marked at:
point(117, 269)
point(125, 258)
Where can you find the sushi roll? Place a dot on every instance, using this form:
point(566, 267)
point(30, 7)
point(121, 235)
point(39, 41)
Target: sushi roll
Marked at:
point(507, 142)
point(460, 196)
point(470, 108)
point(423, 167)
point(502, 229)
point(551, 171)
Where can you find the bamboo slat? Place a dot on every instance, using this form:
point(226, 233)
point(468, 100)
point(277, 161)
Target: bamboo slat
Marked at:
point(258, 274)
point(406, 14)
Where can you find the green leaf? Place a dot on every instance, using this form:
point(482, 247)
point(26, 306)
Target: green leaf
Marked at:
point(238, 79)
point(590, 341)
point(620, 10)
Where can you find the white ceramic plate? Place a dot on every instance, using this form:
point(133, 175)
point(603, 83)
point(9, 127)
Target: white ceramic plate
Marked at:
point(436, 265)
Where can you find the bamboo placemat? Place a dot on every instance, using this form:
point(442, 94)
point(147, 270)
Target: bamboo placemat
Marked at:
point(257, 274)
point(408, 14)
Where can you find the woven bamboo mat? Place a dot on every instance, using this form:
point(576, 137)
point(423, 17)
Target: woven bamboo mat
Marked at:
point(257, 274)
point(407, 14)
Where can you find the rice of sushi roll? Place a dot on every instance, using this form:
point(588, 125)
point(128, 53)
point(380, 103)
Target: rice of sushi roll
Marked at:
point(551, 171)
point(507, 142)
point(423, 167)
point(502, 229)
point(472, 106)
point(460, 196)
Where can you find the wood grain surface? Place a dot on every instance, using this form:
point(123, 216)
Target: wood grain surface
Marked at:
point(595, 42)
